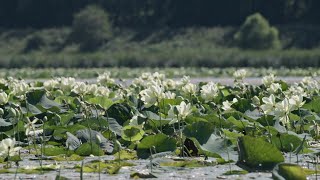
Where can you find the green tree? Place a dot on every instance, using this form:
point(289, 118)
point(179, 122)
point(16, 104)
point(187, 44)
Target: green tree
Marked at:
point(256, 33)
point(91, 28)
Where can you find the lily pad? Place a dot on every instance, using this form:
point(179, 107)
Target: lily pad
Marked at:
point(132, 133)
point(256, 153)
point(188, 163)
point(155, 144)
point(87, 149)
point(285, 171)
point(235, 172)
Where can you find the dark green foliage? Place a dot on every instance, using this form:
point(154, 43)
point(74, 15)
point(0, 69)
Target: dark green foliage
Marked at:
point(91, 28)
point(256, 33)
point(34, 43)
point(148, 13)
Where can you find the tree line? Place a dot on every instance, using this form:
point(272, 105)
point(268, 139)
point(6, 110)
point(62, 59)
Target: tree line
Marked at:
point(158, 13)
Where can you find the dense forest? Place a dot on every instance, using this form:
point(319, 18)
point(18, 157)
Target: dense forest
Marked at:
point(158, 13)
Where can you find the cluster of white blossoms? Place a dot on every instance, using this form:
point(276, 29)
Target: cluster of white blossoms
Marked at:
point(240, 74)
point(147, 79)
point(66, 84)
point(18, 87)
point(310, 85)
point(190, 89)
point(7, 147)
point(281, 109)
point(152, 95)
point(295, 89)
point(71, 85)
point(268, 80)
point(82, 88)
point(51, 84)
point(209, 91)
point(274, 88)
point(105, 79)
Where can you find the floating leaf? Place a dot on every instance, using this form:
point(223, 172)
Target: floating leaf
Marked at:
point(126, 155)
point(285, 171)
point(218, 145)
point(255, 153)
point(132, 133)
point(155, 143)
point(199, 130)
point(87, 149)
point(54, 150)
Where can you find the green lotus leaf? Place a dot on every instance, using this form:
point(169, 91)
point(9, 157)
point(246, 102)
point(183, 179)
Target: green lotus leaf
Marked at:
point(255, 153)
point(132, 133)
point(285, 171)
point(87, 149)
point(155, 144)
point(104, 102)
point(39, 99)
point(313, 105)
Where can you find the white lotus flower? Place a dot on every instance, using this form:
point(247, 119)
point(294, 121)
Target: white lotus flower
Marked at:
point(268, 80)
point(184, 110)
point(3, 81)
point(296, 101)
point(295, 89)
point(51, 84)
point(310, 84)
point(102, 91)
point(19, 88)
point(189, 88)
point(7, 147)
point(283, 110)
point(169, 95)
point(151, 95)
point(80, 88)
point(169, 84)
point(240, 74)
point(159, 76)
point(209, 91)
point(66, 84)
point(274, 87)
point(3, 98)
point(269, 104)
point(30, 127)
point(183, 81)
point(226, 105)
point(146, 75)
point(255, 101)
point(105, 78)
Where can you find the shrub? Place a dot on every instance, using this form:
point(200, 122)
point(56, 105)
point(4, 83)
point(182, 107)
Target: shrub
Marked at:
point(256, 33)
point(91, 28)
point(34, 42)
